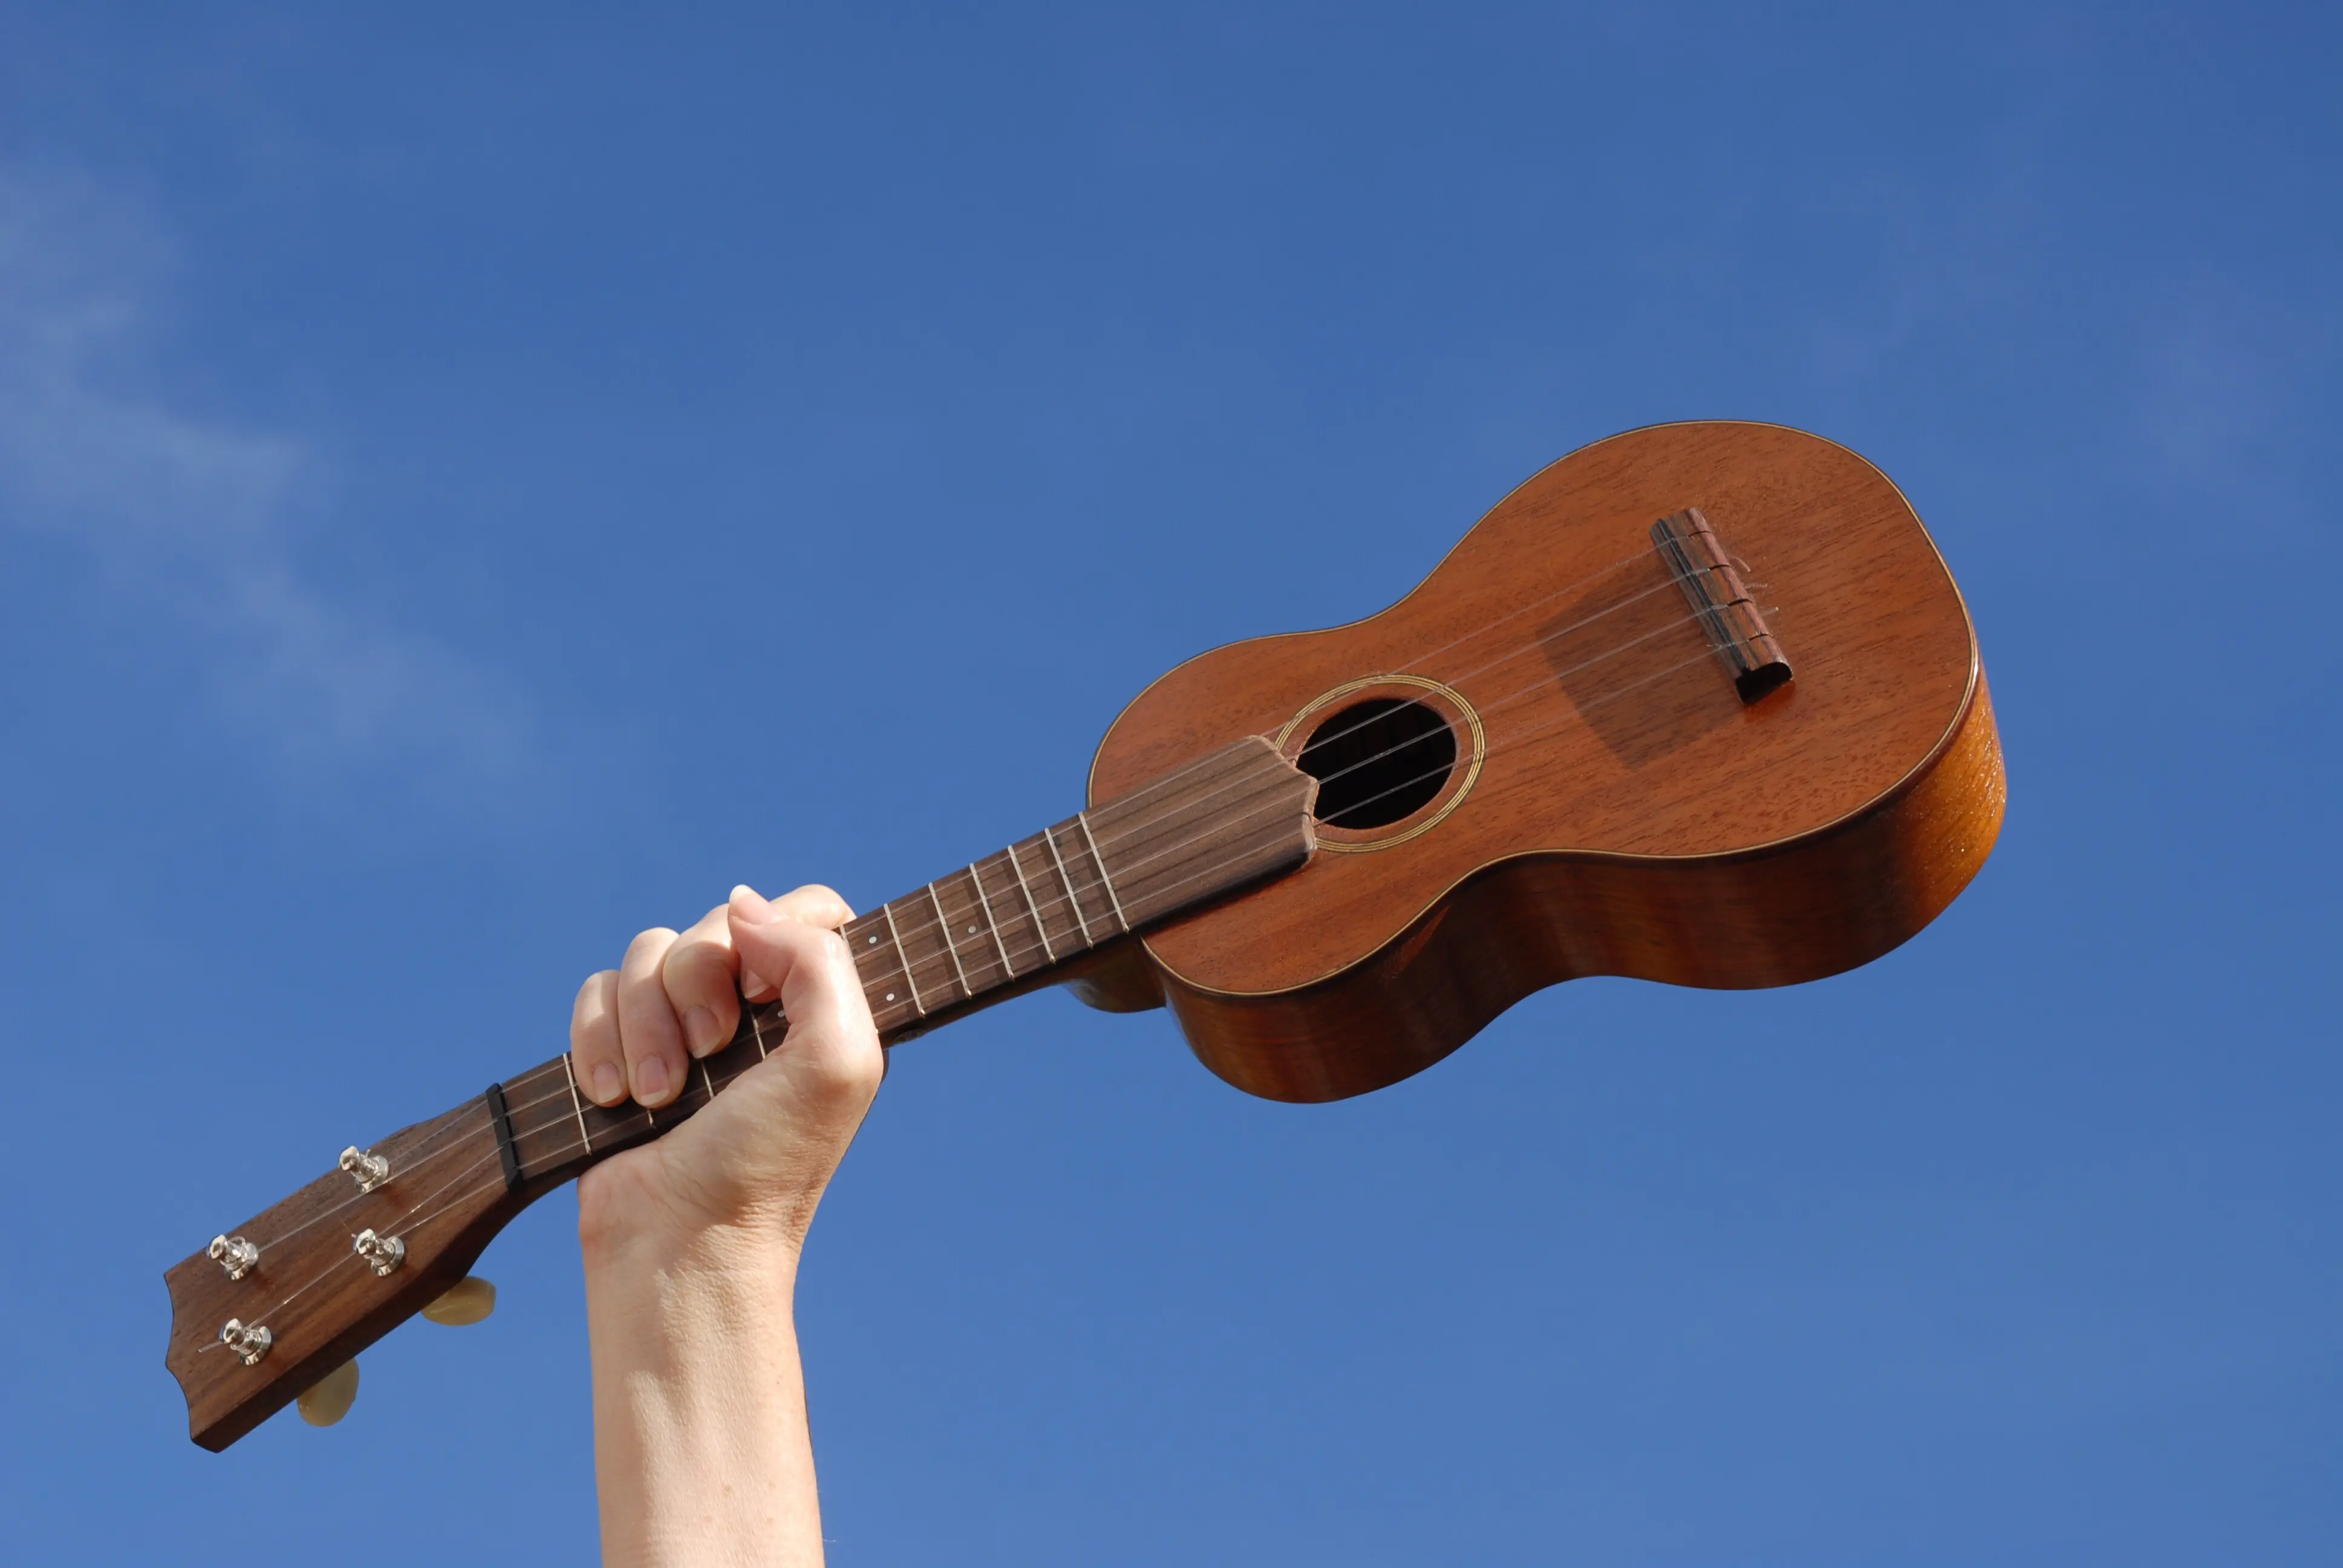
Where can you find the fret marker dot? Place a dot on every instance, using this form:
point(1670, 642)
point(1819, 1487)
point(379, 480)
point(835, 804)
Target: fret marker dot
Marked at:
point(874, 942)
point(971, 930)
point(890, 996)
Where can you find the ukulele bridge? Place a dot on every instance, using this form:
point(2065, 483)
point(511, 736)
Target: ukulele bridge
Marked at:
point(1720, 601)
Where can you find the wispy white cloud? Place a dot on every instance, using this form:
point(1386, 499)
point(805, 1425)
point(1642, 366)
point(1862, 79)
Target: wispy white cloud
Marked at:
point(198, 517)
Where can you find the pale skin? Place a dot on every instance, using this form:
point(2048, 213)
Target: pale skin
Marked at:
point(701, 1453)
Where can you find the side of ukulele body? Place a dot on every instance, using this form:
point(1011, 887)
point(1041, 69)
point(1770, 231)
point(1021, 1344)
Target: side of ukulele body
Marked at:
point(1614, 805)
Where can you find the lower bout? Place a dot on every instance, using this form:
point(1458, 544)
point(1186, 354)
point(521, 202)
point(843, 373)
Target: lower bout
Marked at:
point(1798, 911)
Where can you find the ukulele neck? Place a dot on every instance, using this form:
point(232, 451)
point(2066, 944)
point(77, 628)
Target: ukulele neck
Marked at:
point(999, 926)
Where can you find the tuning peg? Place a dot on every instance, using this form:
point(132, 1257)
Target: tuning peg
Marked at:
point(365, 1168)
point(234, 1253)
point(467, 1300)
point(327, 1400)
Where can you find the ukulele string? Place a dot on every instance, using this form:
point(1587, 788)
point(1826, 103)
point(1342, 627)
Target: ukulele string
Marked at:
point(586, 1146)
point(1676, 579)
point(1492, 705)
point(390, 1229)
point(1445, 768)
point(1544, 640)
point(1152, 785)
point(412, 1160)
point(1513, 653)
point(907, 968)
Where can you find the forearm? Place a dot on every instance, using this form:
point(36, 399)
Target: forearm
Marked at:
point(701, 1446)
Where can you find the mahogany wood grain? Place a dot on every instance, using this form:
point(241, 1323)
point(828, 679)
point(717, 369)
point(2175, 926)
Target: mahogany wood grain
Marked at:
point(1672, 833)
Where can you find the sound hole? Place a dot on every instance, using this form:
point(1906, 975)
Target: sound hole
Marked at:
point(1376, 761)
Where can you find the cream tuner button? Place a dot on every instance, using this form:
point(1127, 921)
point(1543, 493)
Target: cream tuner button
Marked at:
point(467, 1300)
point(327, 1400)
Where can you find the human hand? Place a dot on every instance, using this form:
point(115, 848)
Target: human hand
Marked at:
point(754, 1161)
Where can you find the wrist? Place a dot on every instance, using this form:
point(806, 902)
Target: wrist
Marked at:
point(620, 1250)
point(636, 1213)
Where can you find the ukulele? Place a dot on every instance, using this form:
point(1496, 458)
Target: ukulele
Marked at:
point(1700, 703)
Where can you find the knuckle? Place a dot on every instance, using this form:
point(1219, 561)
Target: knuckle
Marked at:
point(647, 943)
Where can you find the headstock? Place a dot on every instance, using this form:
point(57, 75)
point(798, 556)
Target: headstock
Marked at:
point(271, 1308)
point(282, 1301)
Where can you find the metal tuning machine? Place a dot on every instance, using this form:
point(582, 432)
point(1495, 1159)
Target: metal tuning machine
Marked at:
point(249, 1343)
point(367, 1169)
point(234, 1255)
point(382, 1253)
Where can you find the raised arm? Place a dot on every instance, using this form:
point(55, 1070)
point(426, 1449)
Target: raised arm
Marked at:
point(701, 1451)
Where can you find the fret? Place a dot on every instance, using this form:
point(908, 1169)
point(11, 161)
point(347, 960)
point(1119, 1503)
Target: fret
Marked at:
point(903, 961)
point(1050, 837)
point(951, 943)
point(577, 1106)
point(723, 1067)
point(1099, 860)
point(1033, 909)
point(862, 939)
point(539, 1113)
point(985, 966)
point(976, 875)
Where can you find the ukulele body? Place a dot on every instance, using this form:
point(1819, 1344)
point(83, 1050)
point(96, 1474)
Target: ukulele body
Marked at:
point(1614, 806)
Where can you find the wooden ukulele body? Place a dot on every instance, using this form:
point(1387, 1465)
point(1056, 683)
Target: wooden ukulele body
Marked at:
point(1616, 807)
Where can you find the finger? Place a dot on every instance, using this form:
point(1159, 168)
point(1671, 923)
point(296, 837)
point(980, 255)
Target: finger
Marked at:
point(832, 1040)
point(595, 1057)
point(649, 1033)
point(700, 974)
point(813, 904)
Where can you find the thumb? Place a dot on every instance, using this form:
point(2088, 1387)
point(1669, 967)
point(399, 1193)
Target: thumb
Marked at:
point(790, 943)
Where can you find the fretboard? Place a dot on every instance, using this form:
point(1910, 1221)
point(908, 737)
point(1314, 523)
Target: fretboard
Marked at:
point(1004, 919)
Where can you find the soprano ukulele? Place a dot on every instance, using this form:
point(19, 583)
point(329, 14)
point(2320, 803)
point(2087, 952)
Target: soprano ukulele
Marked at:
point(1700, 703)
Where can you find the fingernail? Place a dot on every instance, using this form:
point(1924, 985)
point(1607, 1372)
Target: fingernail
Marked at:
point(607, 1085)
point(749, 905)
point(701, 1030)
point(650, 1080)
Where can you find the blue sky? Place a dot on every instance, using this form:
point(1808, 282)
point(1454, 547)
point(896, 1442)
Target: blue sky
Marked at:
point(472, 486)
